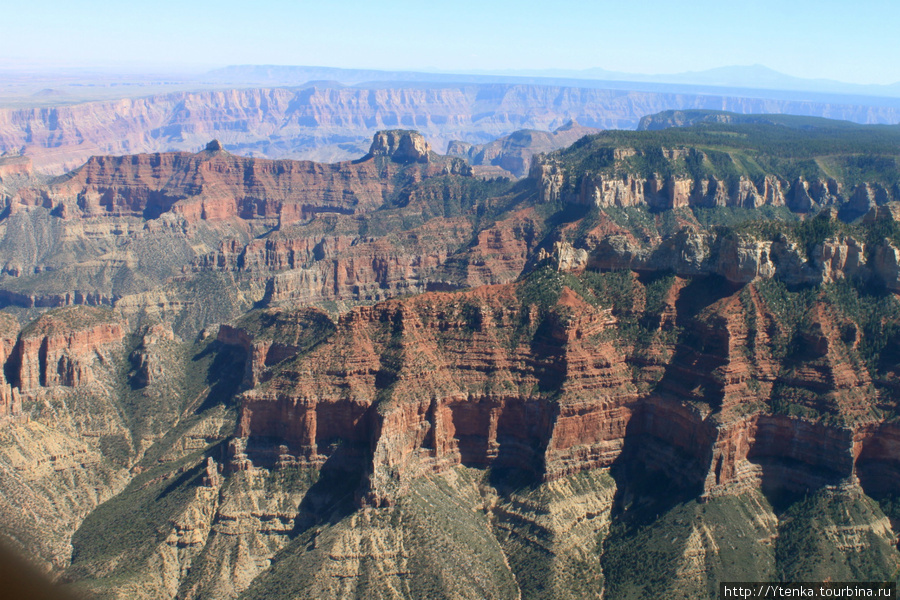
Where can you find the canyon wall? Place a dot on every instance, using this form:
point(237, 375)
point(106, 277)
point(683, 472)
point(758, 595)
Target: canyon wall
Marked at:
point(214, 185)
point(740, 259)
point(355, 372)
point(663, 193)
point(60, 348)
point(15, 167)
point(10, 401)
point(284, 122)
point(478, 379)
point(290, 230)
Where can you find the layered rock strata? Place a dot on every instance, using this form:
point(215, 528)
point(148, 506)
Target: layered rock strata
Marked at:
point(738, 258)
point(282, 122)
point(622, 187)
point(554, 394)
point(15, 166)
point(733, 366)
point(290, 231)
point(59, 349)
point(214, 185)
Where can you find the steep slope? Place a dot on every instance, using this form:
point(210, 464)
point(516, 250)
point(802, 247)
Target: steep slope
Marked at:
point(214, 185)
point(504, 376)
point(92, 400)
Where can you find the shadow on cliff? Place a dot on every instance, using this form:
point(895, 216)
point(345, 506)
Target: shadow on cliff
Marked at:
point(524, 427)
point(223, 375)
point(549, 344)
point(689, 374)
point(653, 475)
point(653, 478)
point(523, 433)
point(333, 496)
point(654, 472)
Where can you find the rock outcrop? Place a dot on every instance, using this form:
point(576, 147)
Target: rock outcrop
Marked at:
point(10, 399)
point(512, 154)
point(293, 231)
point(673, 192)
point(679, 169)
point(401, 146)
point(15, 166)
point(354, 373)
point(739, 257)
point(736, 258)
point(59, 348)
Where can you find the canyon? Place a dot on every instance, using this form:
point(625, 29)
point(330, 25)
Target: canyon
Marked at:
point(511, 155)
point(330, 122)
point(656, 362)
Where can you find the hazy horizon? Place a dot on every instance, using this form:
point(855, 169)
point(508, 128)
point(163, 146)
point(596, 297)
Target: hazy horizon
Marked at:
point(805, 39)
point(12, 64)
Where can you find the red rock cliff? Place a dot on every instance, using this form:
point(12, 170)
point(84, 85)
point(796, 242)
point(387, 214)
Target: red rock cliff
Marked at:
point(480, 378)
point(214, 185)
point(60, 347)
point(10, 403)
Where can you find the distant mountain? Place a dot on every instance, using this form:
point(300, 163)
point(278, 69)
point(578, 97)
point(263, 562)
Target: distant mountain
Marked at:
point(756, 77)
point(759, 76)
point(746, 76)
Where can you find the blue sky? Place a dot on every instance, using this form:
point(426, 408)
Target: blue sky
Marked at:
point(849, 41)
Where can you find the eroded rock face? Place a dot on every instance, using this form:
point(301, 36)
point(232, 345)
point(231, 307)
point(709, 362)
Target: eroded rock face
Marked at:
point(212, 186)
point(271, 336)
point(370, 270)
point(291, 231)
point(10, 401)
point(675, 192)
point(755, 452)
point(742, 259)
point(59, 424)
point(430, 427)
point(401, 146)
point(294, 440)
point(886, 263)
point(149, 367)
point(565, 256)
point(15, 166)
point(59, 348)
point(660, 179)
point(550, 180)
point(284, 121)
point(553, 393)
point(512, 155)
